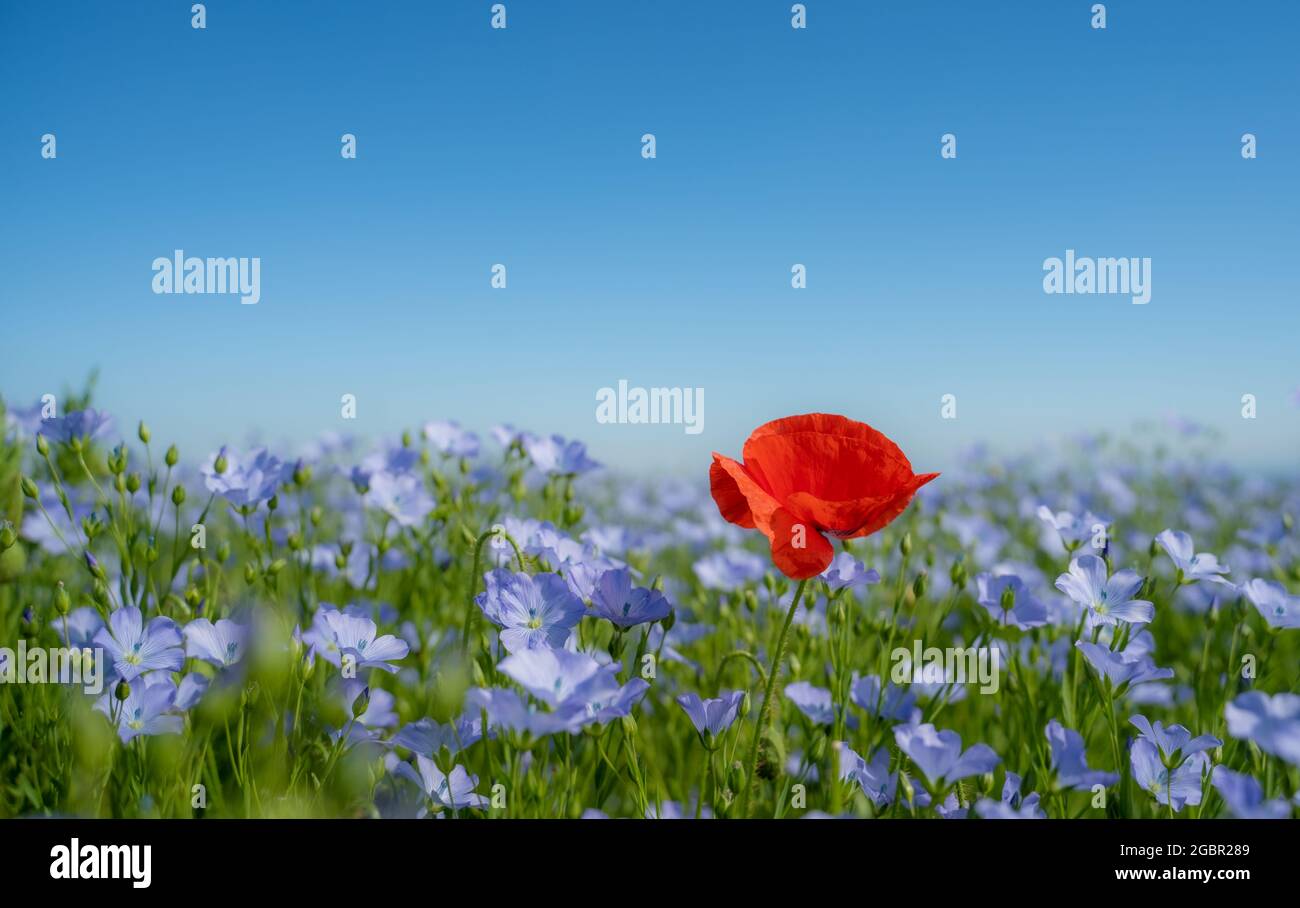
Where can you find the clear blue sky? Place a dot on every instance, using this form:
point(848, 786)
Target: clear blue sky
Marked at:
point(775, 146)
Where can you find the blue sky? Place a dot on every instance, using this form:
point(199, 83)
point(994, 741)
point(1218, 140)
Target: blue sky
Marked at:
point(775, 146)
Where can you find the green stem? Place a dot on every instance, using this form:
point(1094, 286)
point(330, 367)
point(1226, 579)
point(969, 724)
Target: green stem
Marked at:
point(764, 710)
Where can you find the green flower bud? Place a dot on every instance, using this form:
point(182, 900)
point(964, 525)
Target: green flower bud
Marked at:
point(919, 584)
point(178, 496)
point(29, 488)
point(219, 465)
point(119, 482)
point(143, 432)
point(958, 574)
point(7, 536)
point(294, 541)
point(223, 552)
point(122, 691)
point(361, 703)
point(905, 544)
point(62, 601)
point(629, 725)
point(276, 566)
point(42, 446)
point(250, 574)
point(133, 483)
point(172, 456)
point(1008, 599)
point(745, 705)
point(316, 515)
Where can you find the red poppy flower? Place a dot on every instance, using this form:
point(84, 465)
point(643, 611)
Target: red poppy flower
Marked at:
point(806, 476)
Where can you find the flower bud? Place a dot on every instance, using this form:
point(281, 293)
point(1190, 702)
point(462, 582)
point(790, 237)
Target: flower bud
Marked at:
point(219, 465)
point(7, 536)
point(178, 496)
point(42, 446)
point(1008, 601)
point(905, 544)
point(62, 601)
point(301, 474)
point(117, 460)
point(133, 483)
point(172, 456)
point(122, 691)
point(250, 574)
point(958, 574)
point(919, 584)
point(142, 432)
point(29, 488)
point(361, 703)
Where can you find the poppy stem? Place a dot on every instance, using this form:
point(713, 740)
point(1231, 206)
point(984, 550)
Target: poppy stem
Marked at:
point(763, 711)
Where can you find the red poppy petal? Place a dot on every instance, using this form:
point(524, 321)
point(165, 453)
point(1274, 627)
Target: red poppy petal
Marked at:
point(798, 550)
point(861, 516)
point(739, 498)
point(829, 457)
point(884, 515)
